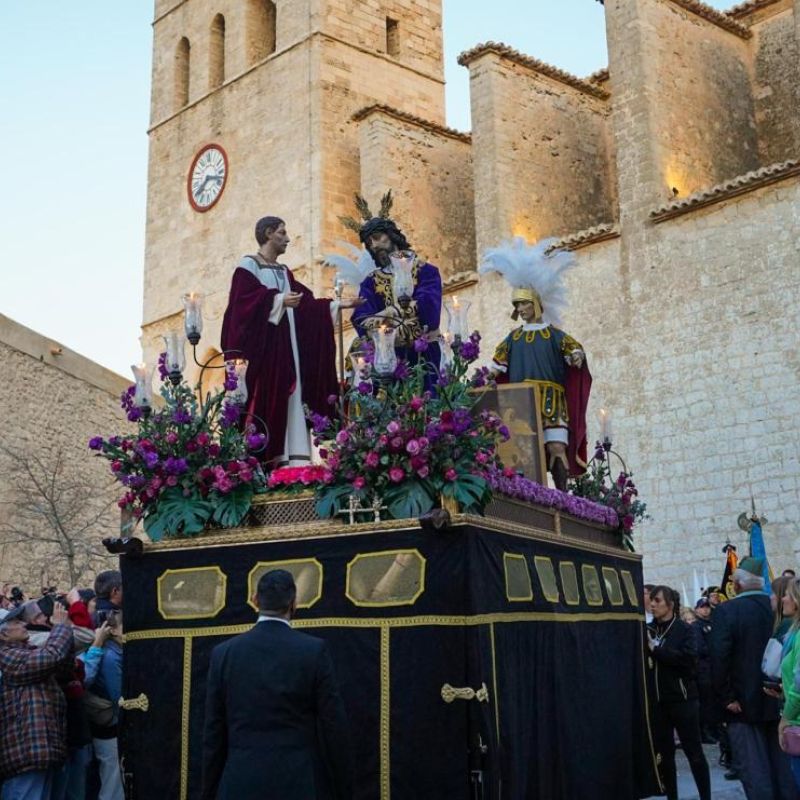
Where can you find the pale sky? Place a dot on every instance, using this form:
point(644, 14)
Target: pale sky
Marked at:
point(74, 105)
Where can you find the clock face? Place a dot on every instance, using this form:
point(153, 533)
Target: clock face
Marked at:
point(207, 177)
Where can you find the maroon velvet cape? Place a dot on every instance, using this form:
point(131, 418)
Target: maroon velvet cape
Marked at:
point(248, 333)
point(577, 386)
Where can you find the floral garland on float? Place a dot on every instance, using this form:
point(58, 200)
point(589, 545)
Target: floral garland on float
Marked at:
point(390, 446)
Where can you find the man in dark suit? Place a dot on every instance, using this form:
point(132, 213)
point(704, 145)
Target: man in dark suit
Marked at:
point(275, 726)
point(740, 632)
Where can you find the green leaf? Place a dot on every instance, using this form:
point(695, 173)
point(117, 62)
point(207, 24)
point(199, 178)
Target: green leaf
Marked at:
point(471, 491)
point(331, 499)
point(230, 509)
point(176, 515)
point(408, 499)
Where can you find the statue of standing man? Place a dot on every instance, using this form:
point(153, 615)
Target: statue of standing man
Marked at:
point(286, 334)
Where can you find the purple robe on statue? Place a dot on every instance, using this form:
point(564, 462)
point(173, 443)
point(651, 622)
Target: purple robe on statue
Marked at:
point(377, 293)
point(247, 332)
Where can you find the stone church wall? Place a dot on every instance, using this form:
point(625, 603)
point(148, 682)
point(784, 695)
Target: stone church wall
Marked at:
point(53, 403)
point(777, 85)
point(542, 155)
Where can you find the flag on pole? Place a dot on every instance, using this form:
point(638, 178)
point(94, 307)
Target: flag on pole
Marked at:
point(731, 562)
point(758, 550)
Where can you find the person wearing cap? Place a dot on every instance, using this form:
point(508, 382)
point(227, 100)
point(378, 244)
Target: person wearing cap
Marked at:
point(32, 706)
point(740, 632)
point(709, 716)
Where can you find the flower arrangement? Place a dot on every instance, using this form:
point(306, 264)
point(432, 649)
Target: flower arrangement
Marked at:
point(512, 484)
point(620, 496)
point(296, 480)
point(407, 444)
point(189, 464)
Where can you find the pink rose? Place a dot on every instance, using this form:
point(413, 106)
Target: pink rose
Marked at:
point(424, 471)
point(202, 439)
point(116, 466)
point(450, 475)
point(416, 403)
point(481, 457)
point(213, 449)
point(172, 480)
point(172, 437)
point(396, 474)
point(393, 427)
point(412, 448)
point(397, 444)
point(342, 437)
point(372, 460)
point(359, 483)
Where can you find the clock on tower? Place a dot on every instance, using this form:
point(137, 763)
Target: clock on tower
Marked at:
point(207, 177)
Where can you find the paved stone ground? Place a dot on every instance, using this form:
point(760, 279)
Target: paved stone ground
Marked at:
point(720, 788)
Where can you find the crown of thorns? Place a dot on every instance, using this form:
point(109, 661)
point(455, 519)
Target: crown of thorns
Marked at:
point(362, 206)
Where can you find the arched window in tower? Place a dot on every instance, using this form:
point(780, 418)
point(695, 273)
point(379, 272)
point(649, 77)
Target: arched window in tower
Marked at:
point(182, 58)
point(262, 19)
point(216, 53)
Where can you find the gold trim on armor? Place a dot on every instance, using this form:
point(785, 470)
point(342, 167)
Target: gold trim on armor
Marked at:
point(552, 402)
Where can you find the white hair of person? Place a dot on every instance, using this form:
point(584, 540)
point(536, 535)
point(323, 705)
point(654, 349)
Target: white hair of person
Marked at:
point(748, 581)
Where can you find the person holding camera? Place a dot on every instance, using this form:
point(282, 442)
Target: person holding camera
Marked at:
point(103, 681)
point(673, 645)
point(32, 706)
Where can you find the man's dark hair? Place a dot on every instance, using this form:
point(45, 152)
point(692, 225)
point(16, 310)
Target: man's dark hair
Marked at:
point(669, 595)
point(87, 595)
point(106, 582)
point(789, 573)
point(276, 591)
point(265, 226)
point(383, 225)
point(648, 587)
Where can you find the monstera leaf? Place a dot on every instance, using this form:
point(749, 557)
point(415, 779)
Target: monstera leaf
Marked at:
point(408, 499)
point(332, 499)
point(231, 508)
point(471, 491)
point(177, 515)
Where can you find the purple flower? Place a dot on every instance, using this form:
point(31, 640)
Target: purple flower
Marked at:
point(420, 345)
point(163, 372)
point(319, 423)
point(181, 416)
point(255, 441)
point(470, 350)
point(365, 387)
point(231, 381)
point(150, 459)
point(401, 371)
point(413, 448)
point(96, 443)
point(134, 415)
point(175, 466)
point(393, 427)
point(342, 437)
point(230, 414)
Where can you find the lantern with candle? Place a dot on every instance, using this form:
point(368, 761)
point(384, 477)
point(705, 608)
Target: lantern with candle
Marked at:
point(193, 316)
point(403, 276)
point(385, 360)
point(175, 361)
point(457, 319)
point(143, 391)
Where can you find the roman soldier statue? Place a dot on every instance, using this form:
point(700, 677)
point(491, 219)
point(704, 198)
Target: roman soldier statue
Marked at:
point(541, 353)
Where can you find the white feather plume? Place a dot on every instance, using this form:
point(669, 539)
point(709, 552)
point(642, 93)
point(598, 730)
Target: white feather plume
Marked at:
point(527, 266)
point(354, 269)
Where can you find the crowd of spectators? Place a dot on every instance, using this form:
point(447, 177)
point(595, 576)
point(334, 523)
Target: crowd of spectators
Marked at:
point(60, 684)
point(710, 682)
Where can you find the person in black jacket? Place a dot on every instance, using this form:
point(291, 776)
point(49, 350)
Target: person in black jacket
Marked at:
point(740, 632)
point(275, 725)
point(674, 649)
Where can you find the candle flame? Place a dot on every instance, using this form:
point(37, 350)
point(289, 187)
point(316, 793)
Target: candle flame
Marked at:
point(455, 301)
